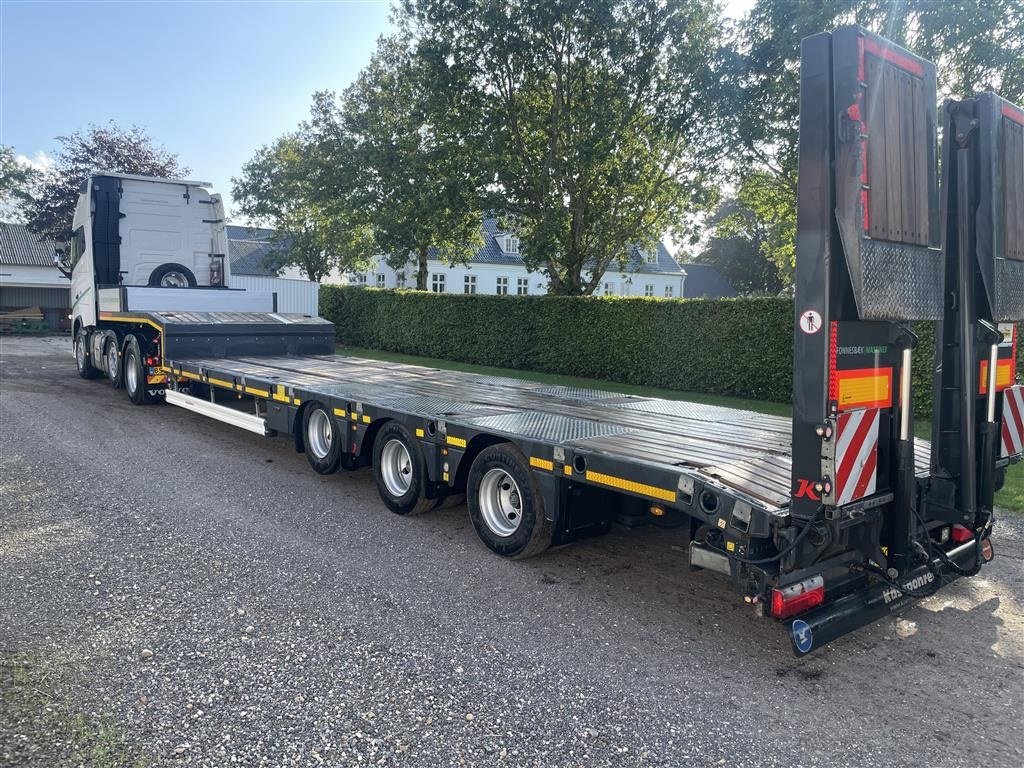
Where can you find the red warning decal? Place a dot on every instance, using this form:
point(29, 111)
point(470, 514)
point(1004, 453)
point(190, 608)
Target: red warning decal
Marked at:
point(856, 455)
point(1012, 433)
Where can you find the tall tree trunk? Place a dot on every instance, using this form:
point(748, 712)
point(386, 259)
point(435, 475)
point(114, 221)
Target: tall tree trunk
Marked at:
point(421, 268)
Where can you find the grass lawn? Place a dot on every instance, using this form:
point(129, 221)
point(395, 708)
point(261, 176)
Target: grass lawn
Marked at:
point(1011, 497)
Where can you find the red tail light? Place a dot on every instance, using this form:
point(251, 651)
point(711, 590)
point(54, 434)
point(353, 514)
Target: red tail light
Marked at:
point(798, 598)
point(960, 534)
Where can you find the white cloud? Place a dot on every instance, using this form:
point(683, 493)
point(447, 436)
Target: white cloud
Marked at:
point(39, 162)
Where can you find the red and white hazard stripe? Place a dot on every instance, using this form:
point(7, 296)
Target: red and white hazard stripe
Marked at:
point(856, 455)
point(1012, 433)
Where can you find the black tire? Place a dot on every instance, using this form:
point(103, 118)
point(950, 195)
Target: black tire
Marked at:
point(134, 372)
point(173, 272)
point(83, 360)
point(112, 362)
point(401, 477)
point(526, 532)
point(322, 437)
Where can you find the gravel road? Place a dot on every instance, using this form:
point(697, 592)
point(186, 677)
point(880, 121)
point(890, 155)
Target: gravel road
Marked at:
point(177, 592)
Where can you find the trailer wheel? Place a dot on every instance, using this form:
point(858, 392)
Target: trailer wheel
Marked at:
point(323, 438)
point(506, 505)
point(112, 362)
point(85, 368)
point(400, 471)
point(135, 374)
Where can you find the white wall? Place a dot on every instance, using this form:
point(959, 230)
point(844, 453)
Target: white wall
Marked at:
point(619, 284)
point(298, 296)
point(42, 277)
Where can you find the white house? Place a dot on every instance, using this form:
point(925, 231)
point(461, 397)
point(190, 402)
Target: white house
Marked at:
point(498, 268)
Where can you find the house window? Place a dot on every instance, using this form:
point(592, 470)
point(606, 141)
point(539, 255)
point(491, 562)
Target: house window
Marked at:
point(648, 290)
point(609, 289)
point(651, 257)
point(400, 279)
point(359, 279)
point(522, 286)
point(511, 244)
point(437, 282)
point(381, 280)
point(469, 285)
point(670, 291)
point(502, 289)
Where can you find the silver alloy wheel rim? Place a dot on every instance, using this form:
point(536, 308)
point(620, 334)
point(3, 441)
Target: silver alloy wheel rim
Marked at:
point(320, 433)
point(131, 373)
point(396, 467)
point(173, 280)
point(80, 352)
point(112, 361)
point(500, 502)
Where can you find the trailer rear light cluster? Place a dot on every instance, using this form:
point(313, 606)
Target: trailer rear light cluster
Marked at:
point(798, 598)
point(961, 533)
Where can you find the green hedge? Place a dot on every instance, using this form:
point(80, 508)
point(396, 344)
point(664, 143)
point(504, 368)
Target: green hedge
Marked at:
point(741, 347)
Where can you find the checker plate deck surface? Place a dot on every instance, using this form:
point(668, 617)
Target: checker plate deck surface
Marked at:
point(746, 451)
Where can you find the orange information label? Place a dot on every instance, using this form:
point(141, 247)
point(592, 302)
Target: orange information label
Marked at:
point(1004, 375)
point(864, 388)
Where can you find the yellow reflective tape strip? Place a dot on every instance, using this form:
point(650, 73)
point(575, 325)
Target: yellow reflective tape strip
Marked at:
point(282, 398)
point(296, 401)
point(366, 419)
point(420, 433)
point(188, 375)
point(542, 463)
point(354, 415)
point(632, 486)
point(458, 442)
point(340, 413)
point(567, 469)
point(254, 391)
point(222, 383)
point(130, 319)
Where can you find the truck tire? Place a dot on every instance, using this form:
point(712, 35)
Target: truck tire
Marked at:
point(506, 505)
point(400, 471)
point(112, 362)
point(172, 276)
point(322, 438)
point(82, 362)
point(135, 374)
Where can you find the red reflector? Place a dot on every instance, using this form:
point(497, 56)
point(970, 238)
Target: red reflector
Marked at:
point(987, 552)
point(960, 534)
point(798, 598)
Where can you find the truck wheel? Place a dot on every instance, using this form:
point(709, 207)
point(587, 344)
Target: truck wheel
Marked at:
point(135, 374)
point(323, 438)
point(85, 368)
point(112, 358)
point(172, 276)
point(506, 505)
point(400, 471)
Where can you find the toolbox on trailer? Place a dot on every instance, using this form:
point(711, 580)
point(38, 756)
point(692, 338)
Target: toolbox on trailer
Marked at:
point(824, 522)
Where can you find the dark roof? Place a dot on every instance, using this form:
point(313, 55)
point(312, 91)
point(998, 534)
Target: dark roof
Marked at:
point(703, 281)
point(491, 253)
point(242, 232)
point(19, 247)
point(249, 257)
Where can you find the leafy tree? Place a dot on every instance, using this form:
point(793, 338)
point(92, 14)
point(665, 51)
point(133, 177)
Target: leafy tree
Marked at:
point(599, 116)
point(99, 148)
point(741, 248)
point(976, 44)
point(400, 147)
point(317, 236)
point(16, 182)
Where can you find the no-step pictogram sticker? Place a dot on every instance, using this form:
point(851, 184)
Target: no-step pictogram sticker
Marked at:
point(810, 321)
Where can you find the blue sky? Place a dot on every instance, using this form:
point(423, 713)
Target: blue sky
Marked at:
point(211, 81)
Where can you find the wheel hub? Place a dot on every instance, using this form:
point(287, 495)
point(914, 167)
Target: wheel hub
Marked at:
point(320, 434)
point(500, 502)
point(396, 468)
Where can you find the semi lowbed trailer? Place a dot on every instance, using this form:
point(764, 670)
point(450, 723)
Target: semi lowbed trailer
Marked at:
point(826, 521)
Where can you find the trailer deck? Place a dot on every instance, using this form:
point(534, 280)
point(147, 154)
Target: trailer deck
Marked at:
point(746, 453)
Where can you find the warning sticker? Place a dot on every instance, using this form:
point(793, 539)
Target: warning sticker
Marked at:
point(810, 321)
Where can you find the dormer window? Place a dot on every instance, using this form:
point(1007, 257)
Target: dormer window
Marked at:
point(510, 244)
point(651, 257)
